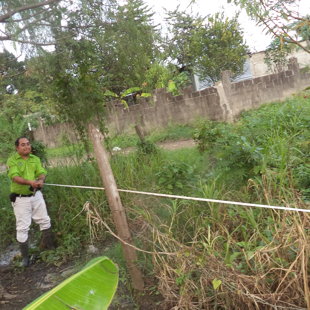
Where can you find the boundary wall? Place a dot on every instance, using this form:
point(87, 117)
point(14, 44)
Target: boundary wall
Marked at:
point(222, 102)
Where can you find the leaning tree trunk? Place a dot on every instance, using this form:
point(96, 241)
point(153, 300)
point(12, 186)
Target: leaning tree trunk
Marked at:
point(118, 212)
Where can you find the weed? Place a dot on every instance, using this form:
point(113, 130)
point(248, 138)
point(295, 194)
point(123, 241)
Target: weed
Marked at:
point(175, 177)
point(146, 147)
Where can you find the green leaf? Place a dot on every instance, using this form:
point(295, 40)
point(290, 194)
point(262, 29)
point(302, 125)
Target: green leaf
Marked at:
point(124, 103)
point(145, 95)
point(91, 288)
point(171, 86)
point(130, 90)
point(216, 283)
point(109, 93)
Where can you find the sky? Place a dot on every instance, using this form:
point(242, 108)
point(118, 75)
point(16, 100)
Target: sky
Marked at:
point(253, 34)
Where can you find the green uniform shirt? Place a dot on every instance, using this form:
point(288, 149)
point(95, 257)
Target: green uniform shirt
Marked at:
point(29, 169)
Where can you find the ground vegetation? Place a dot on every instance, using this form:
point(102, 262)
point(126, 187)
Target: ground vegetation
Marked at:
point(201, 255)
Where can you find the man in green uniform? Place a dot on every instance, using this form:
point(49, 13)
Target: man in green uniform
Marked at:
point(27, 177)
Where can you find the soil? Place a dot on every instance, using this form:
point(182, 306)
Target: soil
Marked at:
point(174, 145)
point(20, 286)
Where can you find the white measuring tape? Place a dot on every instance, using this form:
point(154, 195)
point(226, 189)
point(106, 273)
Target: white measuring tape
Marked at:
point(188, 198)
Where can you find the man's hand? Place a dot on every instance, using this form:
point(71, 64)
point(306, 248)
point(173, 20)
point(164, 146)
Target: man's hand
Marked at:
point(34, 184)
point(40, 183)
point(41, 180)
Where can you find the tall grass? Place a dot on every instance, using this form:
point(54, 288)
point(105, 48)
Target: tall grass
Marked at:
point(7, 219)
point(235, 257)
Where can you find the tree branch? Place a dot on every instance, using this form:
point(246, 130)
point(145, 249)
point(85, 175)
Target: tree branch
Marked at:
point(9, 38)
point(25, 8)
point(39, 12)
point(292, 40)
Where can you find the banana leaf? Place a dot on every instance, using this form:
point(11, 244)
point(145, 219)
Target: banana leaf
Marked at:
point(92, 288)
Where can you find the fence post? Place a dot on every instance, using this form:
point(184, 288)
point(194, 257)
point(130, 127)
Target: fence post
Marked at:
point(115, 204)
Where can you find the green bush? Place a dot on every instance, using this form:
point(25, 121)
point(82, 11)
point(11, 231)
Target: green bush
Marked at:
point(176, 177)
point(39, 149)
point(146, 147)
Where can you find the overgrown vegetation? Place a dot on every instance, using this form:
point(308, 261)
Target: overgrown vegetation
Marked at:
point(173, 132)
point(204, 255)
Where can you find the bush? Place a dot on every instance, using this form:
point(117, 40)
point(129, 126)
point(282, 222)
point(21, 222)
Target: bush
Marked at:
point(176, 177)
point(146, 147)
point(39, 149)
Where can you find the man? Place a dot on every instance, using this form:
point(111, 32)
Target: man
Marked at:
point(27, 177)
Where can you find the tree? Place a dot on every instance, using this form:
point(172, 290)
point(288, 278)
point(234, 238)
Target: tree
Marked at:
point(76, 87)
point(71, 75)
point(16, 111)
point(27, 21)
point(206, 46)
point(280, 18)
point(276, 55)
point(74, 77)
point(180, 47)
point(302, 28)
point(11, 72)
point(115, 56)
point(219, 46)
point(157, 76)
point(127, 46)
point(37, 23)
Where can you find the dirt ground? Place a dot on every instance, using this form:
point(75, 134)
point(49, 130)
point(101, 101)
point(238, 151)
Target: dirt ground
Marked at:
point(174, 145)
point(20, 286)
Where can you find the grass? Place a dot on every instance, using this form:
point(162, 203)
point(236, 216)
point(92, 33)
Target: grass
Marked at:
point(65, 151)
point(221, 256)
point(171, 133)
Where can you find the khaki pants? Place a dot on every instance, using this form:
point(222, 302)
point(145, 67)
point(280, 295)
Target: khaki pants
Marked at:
point(26, 209)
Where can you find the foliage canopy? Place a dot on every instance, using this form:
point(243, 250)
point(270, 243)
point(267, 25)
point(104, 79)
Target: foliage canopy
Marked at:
point(280, 18)
point(206, 46)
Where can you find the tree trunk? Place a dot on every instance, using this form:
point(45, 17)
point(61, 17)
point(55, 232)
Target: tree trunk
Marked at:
point(139, 133)
point(118, 212)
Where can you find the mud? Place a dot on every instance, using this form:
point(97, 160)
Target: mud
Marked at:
point(20, 286)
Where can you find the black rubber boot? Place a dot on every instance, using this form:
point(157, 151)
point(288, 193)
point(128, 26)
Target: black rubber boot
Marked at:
point(25, 253)
point(47, 240)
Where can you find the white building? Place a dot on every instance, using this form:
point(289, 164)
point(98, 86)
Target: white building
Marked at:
point(255, 66)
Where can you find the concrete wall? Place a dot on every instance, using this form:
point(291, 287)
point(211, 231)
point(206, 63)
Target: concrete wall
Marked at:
point(223, 102)
point(55, 135)
point(163, 108)
point(252, 93)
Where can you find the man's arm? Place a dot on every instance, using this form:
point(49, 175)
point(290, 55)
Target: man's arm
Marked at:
point(22, 181)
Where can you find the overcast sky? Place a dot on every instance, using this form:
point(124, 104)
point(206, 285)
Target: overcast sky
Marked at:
point(254, 36)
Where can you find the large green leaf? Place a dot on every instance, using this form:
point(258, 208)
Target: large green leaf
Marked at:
point(92, 288)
